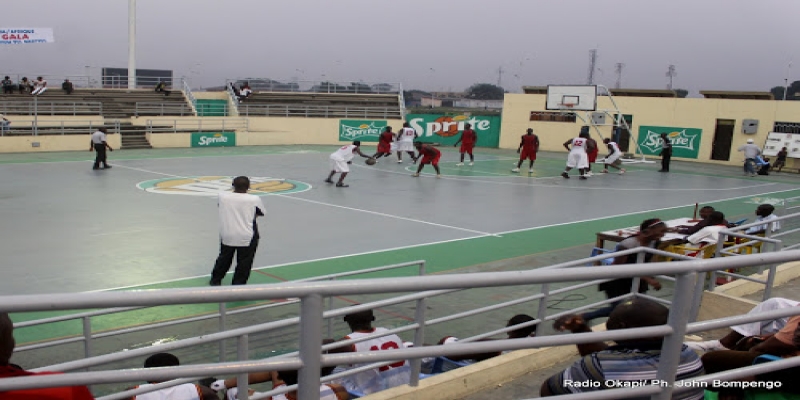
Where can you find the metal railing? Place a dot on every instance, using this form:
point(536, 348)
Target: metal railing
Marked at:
point(312, 111)
point(187, 92)
point(311, 295)
point(142, 82)
point(155, 109)
point(51, 108)
point(321, 86)
point(196, 125)
point(54, 81)
point(73, 127)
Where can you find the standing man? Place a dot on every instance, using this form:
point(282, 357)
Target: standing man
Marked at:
point(39, 86)
point(468, 139)
point(781, 161)
point(751, 151)
point(430, 155)
point(666, 153)
point(238, 232)
point(528, 147)
point(340, 160)
point(405, 142)
point(612, 159)
point(577, 157)
point(99, 145)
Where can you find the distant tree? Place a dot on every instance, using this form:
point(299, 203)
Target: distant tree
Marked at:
point(682, 93)
point(485, 91)
point(777, 92)
point(358, 87)
point(384, 88)
point(792, 94)
point(328, 87)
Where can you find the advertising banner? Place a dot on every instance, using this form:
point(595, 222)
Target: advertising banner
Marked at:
point(213, 139)
point(26, 35)
point(363, 130)
point(685, 141)
point(446, 129)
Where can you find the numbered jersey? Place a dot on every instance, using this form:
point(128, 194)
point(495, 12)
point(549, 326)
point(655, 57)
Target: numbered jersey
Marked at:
point(345, 153)
point(406, 135)
point(613, 148)
point(381, 378)
point(579, 145)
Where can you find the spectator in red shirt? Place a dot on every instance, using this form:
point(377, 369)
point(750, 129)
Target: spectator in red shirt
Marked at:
point(430, 155)
point(467, 140)
point(8, 370)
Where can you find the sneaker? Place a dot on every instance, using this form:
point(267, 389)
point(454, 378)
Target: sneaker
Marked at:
point(399, 161)
point(461, 164)
point(328, 181)
point(588, 174)
point(471, 163)
point(565, 175)
point(438, 175)
point(605, 171)
point(515, 170)
point(583, 177)
point(415, 175)
point(622, 171)
point(709, 345)
point(340, 184)
point(530, 171)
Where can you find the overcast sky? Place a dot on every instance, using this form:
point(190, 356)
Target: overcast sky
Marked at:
point(432, 44)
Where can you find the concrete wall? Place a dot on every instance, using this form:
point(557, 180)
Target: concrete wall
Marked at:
point(652, 111)
point(24, 144)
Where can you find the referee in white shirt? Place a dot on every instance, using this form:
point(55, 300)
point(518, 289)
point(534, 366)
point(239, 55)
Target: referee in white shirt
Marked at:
point(99, 145)
point(238, 232)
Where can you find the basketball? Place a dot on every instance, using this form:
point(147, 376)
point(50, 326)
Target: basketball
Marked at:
point(370, 161)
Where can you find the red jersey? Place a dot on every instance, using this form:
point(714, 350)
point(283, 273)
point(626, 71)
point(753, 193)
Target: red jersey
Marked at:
point(58, 393)
point(387, 137)
point(429, 151)
point(530, 142)
point(469, 137)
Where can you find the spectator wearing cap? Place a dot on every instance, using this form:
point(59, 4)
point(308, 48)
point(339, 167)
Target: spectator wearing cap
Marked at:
point(751, 151)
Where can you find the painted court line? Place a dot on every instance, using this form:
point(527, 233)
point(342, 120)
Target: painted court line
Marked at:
point(441, 242)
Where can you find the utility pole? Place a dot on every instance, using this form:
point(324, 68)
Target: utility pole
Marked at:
point(500, 76)
point(592, 66)
point(671, 74)
point(131, 44)
point(618, 70)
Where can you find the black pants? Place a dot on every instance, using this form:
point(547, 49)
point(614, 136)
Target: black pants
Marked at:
point(244, 262)
point(666, 156)
point(101, 155)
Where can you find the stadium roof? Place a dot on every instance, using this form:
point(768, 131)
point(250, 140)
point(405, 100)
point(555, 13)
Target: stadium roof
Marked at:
point(720, 94)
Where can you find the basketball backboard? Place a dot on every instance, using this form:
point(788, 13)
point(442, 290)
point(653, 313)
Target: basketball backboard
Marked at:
point(571, 97)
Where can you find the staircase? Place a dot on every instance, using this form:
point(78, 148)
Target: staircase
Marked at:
point(133, 137)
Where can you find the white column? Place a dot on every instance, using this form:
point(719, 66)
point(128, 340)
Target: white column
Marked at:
point(131, 44)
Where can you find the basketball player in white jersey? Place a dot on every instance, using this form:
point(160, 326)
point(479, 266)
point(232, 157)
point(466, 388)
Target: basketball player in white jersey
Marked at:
point(377, 379)
point(612, 159)
point(340, 160)
point(405, 142)
point(577, 157)
point(186, 391)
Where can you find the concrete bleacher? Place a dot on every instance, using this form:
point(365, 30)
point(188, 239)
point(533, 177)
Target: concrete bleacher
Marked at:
point(322, 105)
point(110, 103)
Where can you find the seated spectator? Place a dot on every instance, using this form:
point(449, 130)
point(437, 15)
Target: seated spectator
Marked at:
point(24, 85)
point(8, 85)
point(765, 214)
point(8, 370)
point(783, 343)
point(39, 86)
point(67, 86)
point(186, 391)
point(5, 124)
point(244, 93)
point(162, 88)
point(520, 333)
point(710, 233)
point(376, 379)
point(733, 340)
point(763, 165)
point(330, 391)
point(629, 361)
point(705, 212)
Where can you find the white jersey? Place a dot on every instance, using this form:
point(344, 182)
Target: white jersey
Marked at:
point(381, 378)
point(406, 135)
point(614, 148)
point(579, 145)
point(187, 391)
point(325, 393)
point(345, 153)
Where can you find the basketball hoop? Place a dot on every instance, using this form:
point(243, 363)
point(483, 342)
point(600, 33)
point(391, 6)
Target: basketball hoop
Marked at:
point(567, 106)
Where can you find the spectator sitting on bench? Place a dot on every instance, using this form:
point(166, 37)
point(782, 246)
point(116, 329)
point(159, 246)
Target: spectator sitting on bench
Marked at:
point(185, 391)
point(329, 391)
point(67, 86)
point(4, 123)
point(519, 333)
point(763, 165)
point(162, 88)
point(765, 214)
point(8, 85)
point(24, 85)
point(40, 86)
point(245, 92)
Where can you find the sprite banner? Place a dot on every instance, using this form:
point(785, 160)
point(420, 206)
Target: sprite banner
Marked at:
point(213, 139)
point(685, 141)
point(446, 129)
point(363, 130)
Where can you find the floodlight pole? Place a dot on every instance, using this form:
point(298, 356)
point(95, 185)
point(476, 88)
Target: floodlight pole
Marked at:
point(131, 44)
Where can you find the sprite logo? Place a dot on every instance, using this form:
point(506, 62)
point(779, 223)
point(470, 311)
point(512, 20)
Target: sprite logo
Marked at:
point(208, 140)
point(679, 139)
point(216, 139)
point(360, 130)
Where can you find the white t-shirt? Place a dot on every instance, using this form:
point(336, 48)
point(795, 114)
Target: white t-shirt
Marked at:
point(237, 218)
point(578, 145)
point(39, 84)
point(406, 135)
point(187, 391)
point(98, 137)
point(382, 378)
point(709, 234)
point(614, 147)
point(763, 228)
point(345, 153)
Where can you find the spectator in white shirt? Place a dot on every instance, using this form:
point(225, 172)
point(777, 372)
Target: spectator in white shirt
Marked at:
point(238, 232)
point(765, 214)
point(4, 123)
point(39, 86)
point(710, 233)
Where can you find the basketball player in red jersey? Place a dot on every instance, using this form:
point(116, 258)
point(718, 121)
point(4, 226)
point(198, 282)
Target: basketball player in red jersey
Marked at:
point(467, 140)
point(528, 148)
point(430, 155)
point(384, 144)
